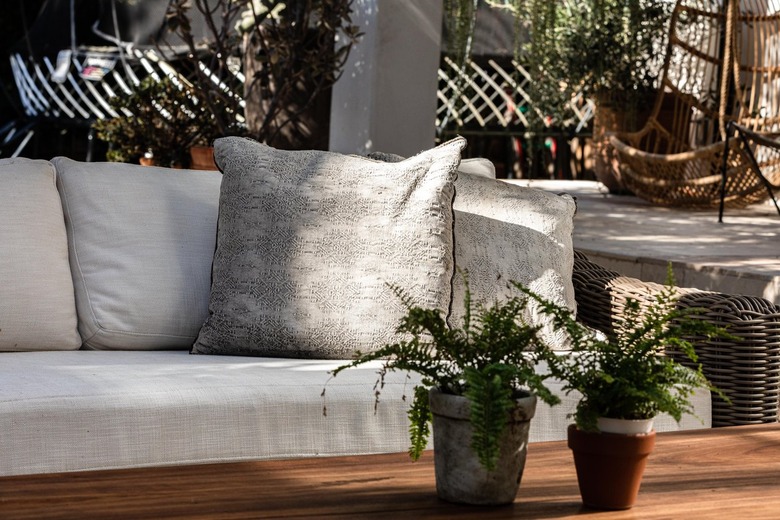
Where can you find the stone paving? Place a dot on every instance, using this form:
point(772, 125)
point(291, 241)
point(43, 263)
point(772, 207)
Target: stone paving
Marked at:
point(638, 239)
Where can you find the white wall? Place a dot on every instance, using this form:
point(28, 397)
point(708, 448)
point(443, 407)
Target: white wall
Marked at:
point(386, 98)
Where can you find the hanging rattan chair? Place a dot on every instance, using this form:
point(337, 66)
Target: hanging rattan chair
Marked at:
point(722, 66)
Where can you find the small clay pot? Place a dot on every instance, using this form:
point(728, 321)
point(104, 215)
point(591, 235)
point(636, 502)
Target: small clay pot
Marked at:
point(202, 158)
point(609, 466)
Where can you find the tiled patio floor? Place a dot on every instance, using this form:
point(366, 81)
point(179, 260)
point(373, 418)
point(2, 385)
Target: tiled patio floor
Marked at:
point(637, 239)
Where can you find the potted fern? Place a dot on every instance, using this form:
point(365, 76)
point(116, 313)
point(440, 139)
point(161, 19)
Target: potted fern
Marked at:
point(625, 379)
point(157, 122)
point(478, 390)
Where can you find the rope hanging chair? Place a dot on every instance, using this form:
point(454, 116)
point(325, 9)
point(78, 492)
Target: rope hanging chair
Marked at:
point(721, 72)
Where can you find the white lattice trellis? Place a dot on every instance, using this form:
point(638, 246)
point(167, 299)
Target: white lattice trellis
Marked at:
point(492, 97)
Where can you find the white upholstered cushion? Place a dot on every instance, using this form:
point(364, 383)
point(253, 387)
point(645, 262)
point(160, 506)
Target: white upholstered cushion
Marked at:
point(115, 409)
point(504, 232)
point(141, 243)
point(309, 241)
point(37, 308)
point(68, 411)
point(478, 166)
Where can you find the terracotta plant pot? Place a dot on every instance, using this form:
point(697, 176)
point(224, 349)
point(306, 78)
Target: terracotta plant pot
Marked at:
point(202, 158)
point(609, 119)
point(609, 466)
point(460, 477)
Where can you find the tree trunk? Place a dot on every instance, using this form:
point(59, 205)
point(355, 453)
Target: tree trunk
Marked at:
point(291, 124)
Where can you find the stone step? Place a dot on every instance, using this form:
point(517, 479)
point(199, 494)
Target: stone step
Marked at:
point(638, 239)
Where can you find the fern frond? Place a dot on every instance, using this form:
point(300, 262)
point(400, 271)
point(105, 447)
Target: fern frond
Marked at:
point(487, 359)
point(627, 375)
point(490, 396)
point(419, 422)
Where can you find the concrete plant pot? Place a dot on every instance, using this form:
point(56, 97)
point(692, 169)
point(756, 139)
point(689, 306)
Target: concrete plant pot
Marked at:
point(460, 477)
point(609, 466)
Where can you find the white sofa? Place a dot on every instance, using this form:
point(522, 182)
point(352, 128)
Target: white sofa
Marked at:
point(105, 276)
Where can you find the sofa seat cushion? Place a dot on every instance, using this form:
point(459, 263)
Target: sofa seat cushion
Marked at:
point(37, 306)
point(82, 410)
point(141, 244)
point(115, 409)
point(309, 243)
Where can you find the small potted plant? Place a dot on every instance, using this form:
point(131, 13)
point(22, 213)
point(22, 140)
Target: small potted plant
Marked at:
point(625, 379)
point(478, 390)
point(609, 51)
point(156, 123)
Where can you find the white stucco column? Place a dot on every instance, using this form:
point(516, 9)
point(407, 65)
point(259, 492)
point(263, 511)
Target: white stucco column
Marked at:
point(386, 98)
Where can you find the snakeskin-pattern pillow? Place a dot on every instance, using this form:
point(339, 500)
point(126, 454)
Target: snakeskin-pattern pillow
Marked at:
point(504, 232)
point(308, 242)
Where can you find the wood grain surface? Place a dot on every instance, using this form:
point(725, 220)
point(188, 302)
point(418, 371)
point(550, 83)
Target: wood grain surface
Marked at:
point(729, 473)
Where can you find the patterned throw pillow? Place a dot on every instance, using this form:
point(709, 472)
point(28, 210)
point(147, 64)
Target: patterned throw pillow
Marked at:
point(504, 232)
point(308, 242)
point(475, 166)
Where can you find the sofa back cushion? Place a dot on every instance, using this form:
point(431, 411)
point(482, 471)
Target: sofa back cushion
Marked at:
point(473, 165)
point(505, 232)
point(309, 241)
point(37, 308)
point(141, 243)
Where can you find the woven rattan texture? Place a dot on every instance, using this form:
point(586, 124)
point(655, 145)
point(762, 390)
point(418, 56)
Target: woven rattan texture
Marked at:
point(722, 64)
point(746, 367)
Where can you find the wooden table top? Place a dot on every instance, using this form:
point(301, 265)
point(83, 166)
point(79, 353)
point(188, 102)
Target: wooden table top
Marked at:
point(729, 473)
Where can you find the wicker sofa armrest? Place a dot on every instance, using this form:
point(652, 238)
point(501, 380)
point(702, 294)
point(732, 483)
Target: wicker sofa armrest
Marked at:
point(746, 369)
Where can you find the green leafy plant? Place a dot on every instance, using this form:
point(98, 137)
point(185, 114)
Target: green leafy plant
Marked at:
point(264, 68)
point(490, 360)
point(613, 48)
point(628, 374)
point(610, 50)
point(159, 117)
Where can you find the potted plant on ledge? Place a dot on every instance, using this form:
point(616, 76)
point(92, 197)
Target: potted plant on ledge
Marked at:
point(264, 67)
point(478, 389)
point(609, 51)
point(625, 379)
point(154, 125)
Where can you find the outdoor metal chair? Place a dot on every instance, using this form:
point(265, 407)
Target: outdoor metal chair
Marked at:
point(722, 65)
point(748, 141)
